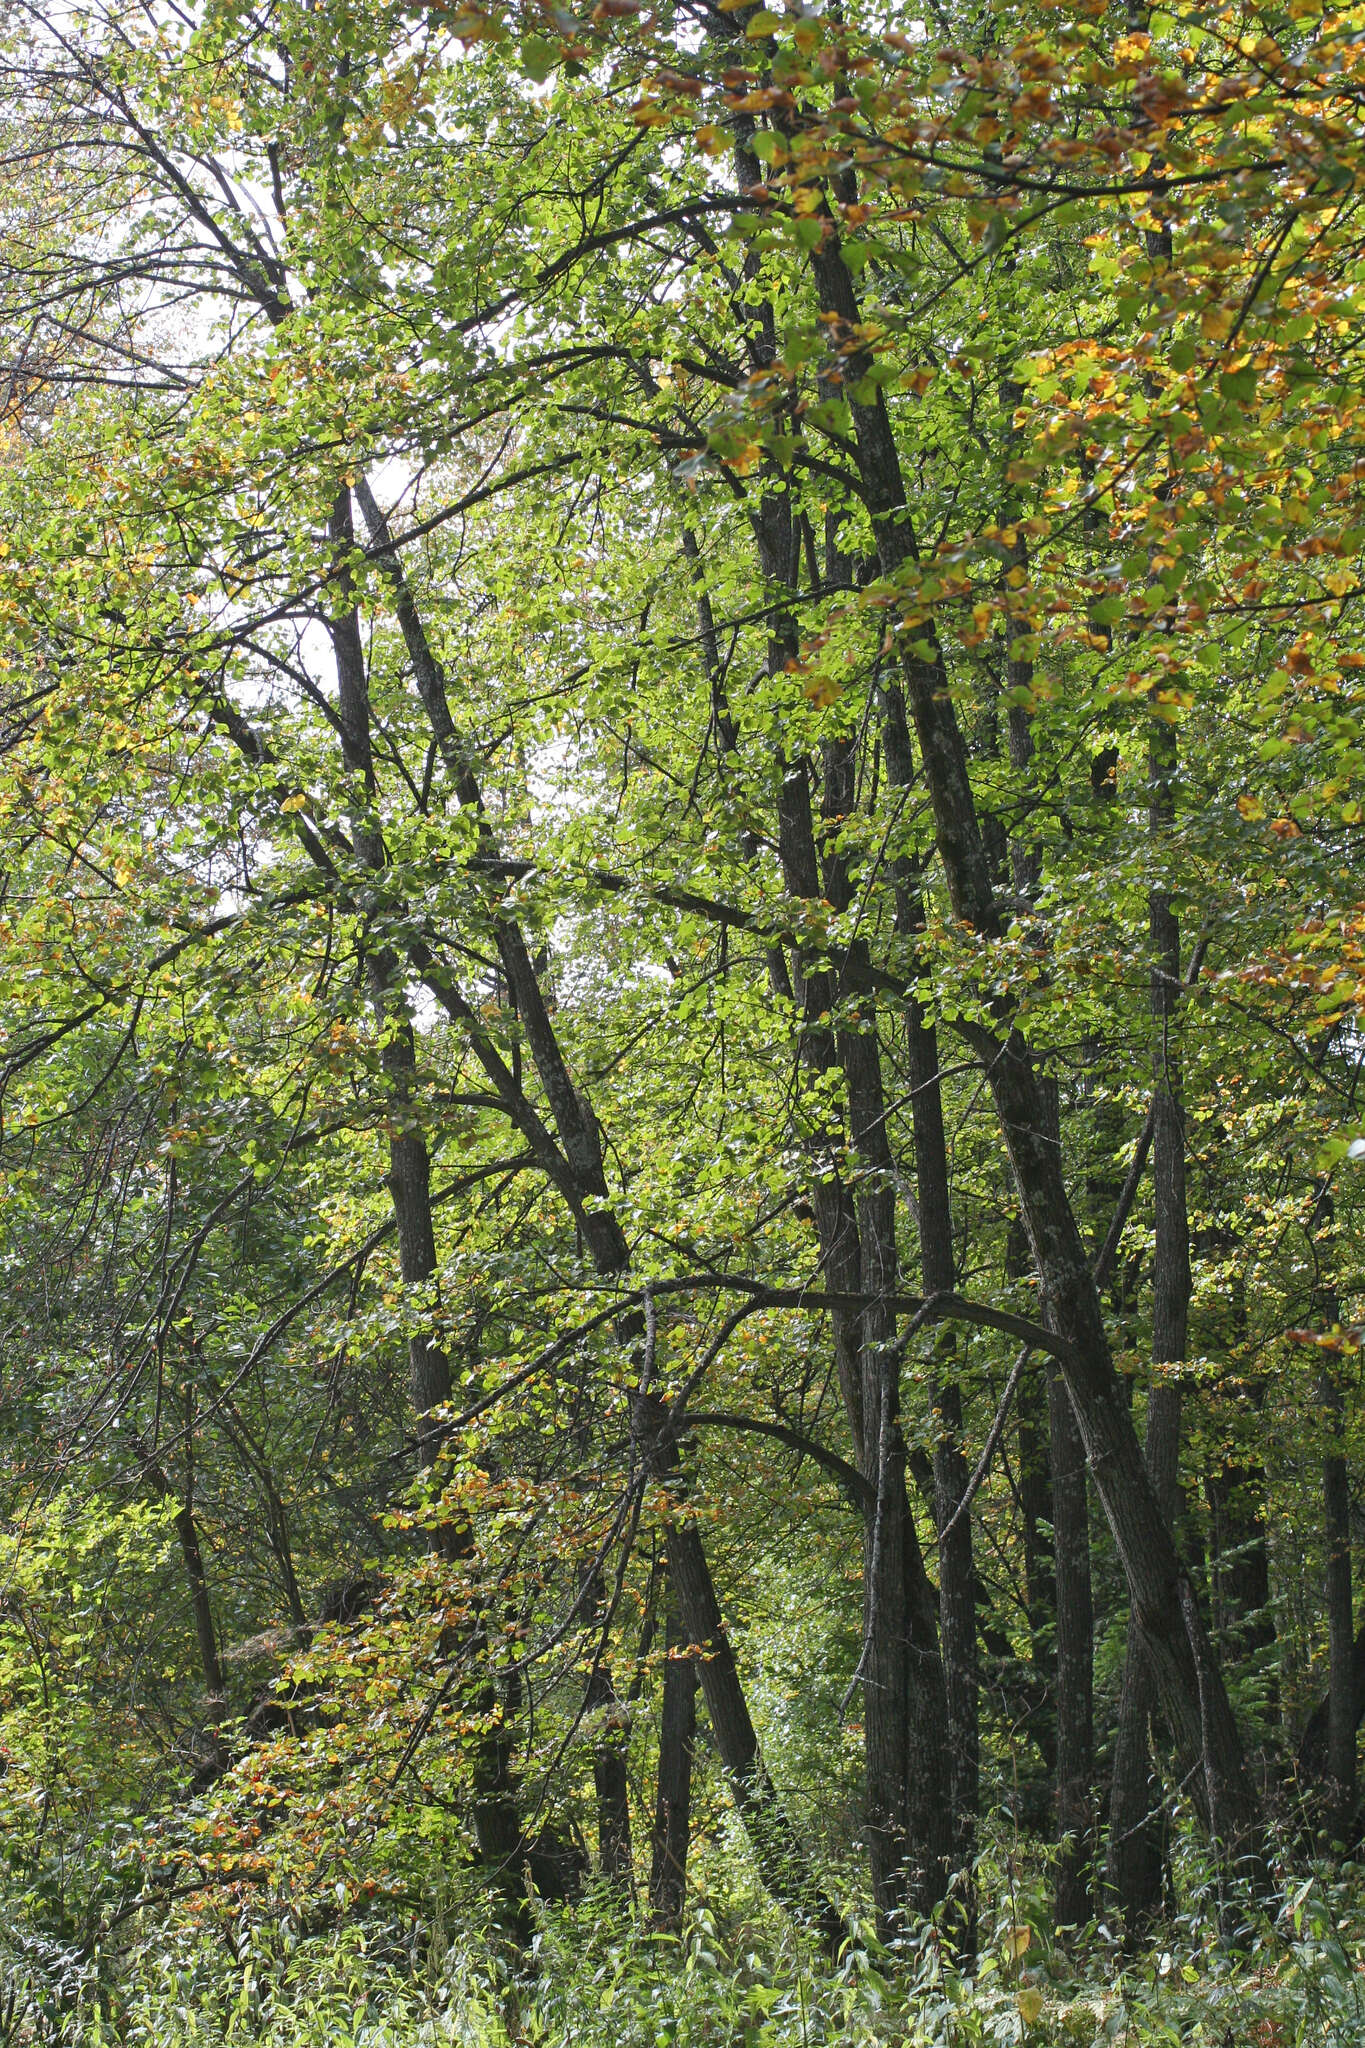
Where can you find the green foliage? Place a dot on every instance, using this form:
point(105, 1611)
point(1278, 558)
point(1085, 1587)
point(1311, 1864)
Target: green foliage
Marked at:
point(441, 558)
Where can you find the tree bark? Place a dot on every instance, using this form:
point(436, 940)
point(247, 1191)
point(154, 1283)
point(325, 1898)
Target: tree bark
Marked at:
point(611, 1784)
point(1340, 1800)
point(1074, 1793)
point(782, 1861)
point(1135, 1852)
point(672, 1831)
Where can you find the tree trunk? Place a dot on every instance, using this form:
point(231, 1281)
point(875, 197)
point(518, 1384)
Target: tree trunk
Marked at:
point(187, 1535)
point(1040, 1567)
point(906, 1755)
point(615, 1856)
point(1135, 1852)
point(672, 1832)
point(1075, 1659)
point(938, 1274)
point(782, 1862)
point(1136, 1847)
point(1340, 1801)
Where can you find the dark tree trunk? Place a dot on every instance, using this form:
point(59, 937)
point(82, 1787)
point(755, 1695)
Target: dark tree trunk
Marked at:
point(782, 1861)
point(196, 1578)
point(1240, 1565)
point(938, 1275)
point(1135, 1850)
point(186, 1528)
point(1311, 1761)
point(672, 1831)
point(1074, 1795)
point(1136, 1840)
point(1340, 1800)
point(611, 1784)
point(1040, 1566)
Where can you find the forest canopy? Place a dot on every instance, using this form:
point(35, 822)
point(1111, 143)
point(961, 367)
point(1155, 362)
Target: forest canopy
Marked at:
point(682, 943)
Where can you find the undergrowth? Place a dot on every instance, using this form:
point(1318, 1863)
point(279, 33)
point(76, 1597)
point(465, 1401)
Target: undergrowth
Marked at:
point(1291, 1978)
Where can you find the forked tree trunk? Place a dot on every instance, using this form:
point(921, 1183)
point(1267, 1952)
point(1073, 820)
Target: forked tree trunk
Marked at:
point(778, 1852)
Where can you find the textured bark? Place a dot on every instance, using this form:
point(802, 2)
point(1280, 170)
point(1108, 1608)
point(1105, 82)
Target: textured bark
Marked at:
point(615, 1858)
point(1135, 1847)
point(1074, 1794)
point(1340, 1789)
point(672, 1831)
point(938, 1274)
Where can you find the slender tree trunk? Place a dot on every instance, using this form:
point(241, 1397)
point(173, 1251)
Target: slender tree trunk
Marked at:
point(187, 1535)
point(1136, 1847)
point(1040, 1566)
point(1135, 1853)
point(1074, 1797)
point(611, 1784)
point(938, 1274)
point(1074, 1775)
point(1235, 1490)
point(781, 1859)
point(672, 1831)
point(192, 1557)
point(1313, 1751)
point(1339, 1813)
point(1339, 1791)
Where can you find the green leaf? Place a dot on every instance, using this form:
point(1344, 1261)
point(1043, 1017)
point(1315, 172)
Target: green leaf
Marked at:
point(538, 58)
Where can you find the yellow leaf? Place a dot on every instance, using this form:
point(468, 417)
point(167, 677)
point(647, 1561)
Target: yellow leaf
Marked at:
point(1030, 2004)
point(1216, 323)
point(297, 802)
point(1251, 808)
point(1019, 1939)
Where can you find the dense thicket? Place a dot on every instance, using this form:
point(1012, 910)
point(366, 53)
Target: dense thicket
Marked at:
point(680, 951)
